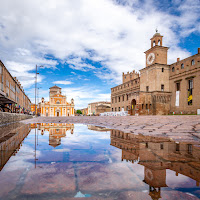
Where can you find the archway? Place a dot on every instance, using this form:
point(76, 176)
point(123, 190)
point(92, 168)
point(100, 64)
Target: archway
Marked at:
point(133, 104)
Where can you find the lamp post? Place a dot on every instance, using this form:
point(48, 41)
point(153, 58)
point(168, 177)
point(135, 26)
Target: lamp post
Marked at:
point(36, 73)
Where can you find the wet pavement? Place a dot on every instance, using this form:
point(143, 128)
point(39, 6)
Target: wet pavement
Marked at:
point(177, 127)
point(73, 161)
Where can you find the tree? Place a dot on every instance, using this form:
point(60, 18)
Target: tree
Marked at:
point(78, 112)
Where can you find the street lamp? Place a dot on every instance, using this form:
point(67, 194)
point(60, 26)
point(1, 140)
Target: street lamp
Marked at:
point(36, 73)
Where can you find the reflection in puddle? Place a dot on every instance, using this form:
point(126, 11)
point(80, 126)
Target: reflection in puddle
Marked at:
point(67, 161)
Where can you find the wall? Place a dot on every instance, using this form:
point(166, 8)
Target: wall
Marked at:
point(6, 117)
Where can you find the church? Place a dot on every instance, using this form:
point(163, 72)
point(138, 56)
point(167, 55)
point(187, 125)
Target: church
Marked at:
point(159, 88)
point(57, 106)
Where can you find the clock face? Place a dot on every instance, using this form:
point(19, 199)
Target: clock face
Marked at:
point(150, 58)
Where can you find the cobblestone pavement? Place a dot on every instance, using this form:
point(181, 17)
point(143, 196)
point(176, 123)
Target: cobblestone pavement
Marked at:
point(178, 128)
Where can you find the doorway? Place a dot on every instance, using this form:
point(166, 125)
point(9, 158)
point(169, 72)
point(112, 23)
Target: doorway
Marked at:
point(133, 104)
point(57, 114)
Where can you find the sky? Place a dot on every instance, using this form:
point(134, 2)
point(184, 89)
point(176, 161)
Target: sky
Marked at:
point(85, 45)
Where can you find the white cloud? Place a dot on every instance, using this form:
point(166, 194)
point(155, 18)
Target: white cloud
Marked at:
point(84, 95)
point(80, 32)
point(63, 82)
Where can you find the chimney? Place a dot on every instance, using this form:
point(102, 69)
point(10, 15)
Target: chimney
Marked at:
point(178, 59)
point(198, 50)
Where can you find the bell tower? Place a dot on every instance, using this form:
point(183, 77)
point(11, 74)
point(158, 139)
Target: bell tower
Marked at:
point(154, 78)
point(157, 54)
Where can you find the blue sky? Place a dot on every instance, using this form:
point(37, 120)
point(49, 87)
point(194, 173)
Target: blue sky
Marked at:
point(85, 45)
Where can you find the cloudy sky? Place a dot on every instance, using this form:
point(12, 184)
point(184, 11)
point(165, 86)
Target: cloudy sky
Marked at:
point(85, 45)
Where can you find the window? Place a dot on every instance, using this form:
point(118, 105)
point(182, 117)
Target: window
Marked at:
point(126, 108)
point(127, 97)
point(146, 106)
point(189, 148)
point(115, 109)
point(178, 86)
point(173, 69)
point(115, 99)
point(123, 98)
point(147, 88)
point(112, 100)
point(190, 88)
point(190, 84)
point(177, 147)
point(161, 146)
point(149, 106)
point(162, 69)
point(128, 85)
point(192, 62)
point(162, 87)
point(125, 77)
point(182, 66)
point(119, 108)
point(112, 109)
point(57, 102)
point(142, 106)
point(119, 99)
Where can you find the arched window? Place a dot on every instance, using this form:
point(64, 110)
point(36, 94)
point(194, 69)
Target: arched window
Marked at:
point(182, 66)
point(173, 69)
point(154, 43)
point(192, 62)
point(159, 42)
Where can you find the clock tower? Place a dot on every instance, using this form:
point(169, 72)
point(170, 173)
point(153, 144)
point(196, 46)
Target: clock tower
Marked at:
point(155, 76)
point(157, 53)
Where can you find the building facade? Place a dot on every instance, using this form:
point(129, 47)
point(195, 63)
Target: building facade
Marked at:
point(12, 95)
point(57, 106)
point(94, 109)
point(159, 88)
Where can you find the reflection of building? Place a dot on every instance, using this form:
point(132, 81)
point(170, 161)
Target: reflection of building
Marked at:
point(57, 105)
point(11, 138)
point(160, 88)
point(56, 131)
point(98, 107)
point(12, 95)
point(98, 128)
point(157, 155)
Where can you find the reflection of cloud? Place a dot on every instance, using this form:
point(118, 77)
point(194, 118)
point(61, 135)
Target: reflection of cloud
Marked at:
point(174, 181)
point(19, 161)
point(61, 150)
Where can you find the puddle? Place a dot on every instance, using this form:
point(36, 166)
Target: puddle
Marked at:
point(70, 161)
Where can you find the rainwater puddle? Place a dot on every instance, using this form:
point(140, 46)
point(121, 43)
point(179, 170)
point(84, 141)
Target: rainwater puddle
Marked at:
point(67, 161)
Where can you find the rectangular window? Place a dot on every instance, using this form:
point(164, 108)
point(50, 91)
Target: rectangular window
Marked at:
point(162, 87)
point(161, 146)
point(178, 86)
point(147, 88)
point(189, 148)
point(119, 99)
point(149, 106)
point(127, 97)
point(177, 147)
point(123, 98)
point(162, 69)
point(146, 106)
point(142, 106)
point(190, 89)
point(190, 82)
point(119, 108)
